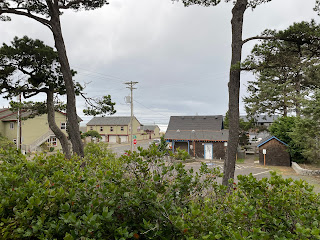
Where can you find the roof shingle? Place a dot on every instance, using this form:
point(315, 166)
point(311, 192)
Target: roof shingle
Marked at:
point(208, 128)
point(109, 121)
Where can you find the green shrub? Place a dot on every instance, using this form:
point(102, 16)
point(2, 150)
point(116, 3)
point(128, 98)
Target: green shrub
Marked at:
point(274, 208)
point(146, 197)
point(5, 143)
point(54, 198)
point(181, 154)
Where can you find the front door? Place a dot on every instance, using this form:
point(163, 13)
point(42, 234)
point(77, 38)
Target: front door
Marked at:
point(208, 154)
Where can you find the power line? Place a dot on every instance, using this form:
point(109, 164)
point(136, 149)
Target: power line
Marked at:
point(151, 109)
point(102, 74)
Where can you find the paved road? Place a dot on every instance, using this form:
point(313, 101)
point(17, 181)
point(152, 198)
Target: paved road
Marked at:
point(120, 149)
point(241, 169)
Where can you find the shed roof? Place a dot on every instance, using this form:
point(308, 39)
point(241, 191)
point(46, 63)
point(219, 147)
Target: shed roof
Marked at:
point(109, 121)
point(197, 135)
point(212, 123)
point(269, 138)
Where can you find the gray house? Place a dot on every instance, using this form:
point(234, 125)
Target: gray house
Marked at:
point(200, 136)
point(262, 120)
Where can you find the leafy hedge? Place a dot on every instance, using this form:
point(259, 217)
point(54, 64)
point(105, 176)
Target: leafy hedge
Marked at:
point(141, 196)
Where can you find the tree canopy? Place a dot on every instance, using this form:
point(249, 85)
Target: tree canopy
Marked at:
point(306, 133)
point(286, 65)
point(48, 13)
point(30, 67)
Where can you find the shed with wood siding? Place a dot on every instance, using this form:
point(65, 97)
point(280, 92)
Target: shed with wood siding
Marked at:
point(277, 152)
point(198, 135)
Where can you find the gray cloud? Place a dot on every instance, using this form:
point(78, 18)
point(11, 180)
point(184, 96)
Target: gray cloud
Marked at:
point(180, 56)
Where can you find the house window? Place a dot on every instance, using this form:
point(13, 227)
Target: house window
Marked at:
point(11, 125)
point(15, 141)
point(122, 128)
point(63, 126)
point(91, 128)
point(52, 142)
point(101, 129)
point(138, 129)
point(111, 129)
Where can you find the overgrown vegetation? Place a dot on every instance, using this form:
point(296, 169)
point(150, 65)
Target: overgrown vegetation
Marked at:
point(142, 196)
point(5, 143)
point(181, 154)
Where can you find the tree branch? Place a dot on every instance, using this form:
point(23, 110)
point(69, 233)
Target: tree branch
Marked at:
point(27, 14)
point(258, 38)
point(298, 41)
point(70, 4)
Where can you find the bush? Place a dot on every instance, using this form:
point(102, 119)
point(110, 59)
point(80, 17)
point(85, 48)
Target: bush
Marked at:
point(145, 197)
point(274, 208)
point(181, 154)
point(5, 143)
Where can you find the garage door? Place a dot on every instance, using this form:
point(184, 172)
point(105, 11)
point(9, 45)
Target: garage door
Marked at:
point(123, 139)
point(113, 139)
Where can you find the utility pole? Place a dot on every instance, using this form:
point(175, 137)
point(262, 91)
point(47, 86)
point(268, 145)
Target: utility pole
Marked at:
point(130, 86)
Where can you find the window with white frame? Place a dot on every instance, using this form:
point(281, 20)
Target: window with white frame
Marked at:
point(15, 141)
point(111, 129)
point(101, 129)
point(63, 126)
point(91, 128)
point(11, 125)
point(122, 128)
point(52, 142)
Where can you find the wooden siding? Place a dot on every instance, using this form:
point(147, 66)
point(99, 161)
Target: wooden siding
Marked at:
point(218, 149)
point(181, 145)
point(277, 154)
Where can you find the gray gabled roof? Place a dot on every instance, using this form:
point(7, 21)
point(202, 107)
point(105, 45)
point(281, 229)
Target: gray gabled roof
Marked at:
point(269, 138)
point(149, 127)
point(109, 121)
point(207, 128)
point(197, 135)
point(6, 115)
point(262, 118)
point(212, 123)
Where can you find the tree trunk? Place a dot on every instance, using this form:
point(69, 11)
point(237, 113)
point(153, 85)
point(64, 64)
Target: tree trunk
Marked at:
point(285, 105)
point(234, 89)
point(53, 126)
point(298, 95)
point(72, 118)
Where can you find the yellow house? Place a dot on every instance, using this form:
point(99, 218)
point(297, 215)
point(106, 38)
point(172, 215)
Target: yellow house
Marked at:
point(153, 131)
point(117, 129)
point(34, 131)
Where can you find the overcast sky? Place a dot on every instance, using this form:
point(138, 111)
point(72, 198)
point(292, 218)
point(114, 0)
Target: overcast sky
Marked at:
point(180, 56)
